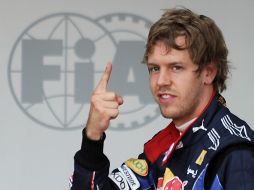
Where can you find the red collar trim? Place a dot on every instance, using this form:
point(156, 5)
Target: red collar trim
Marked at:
point(162, 141)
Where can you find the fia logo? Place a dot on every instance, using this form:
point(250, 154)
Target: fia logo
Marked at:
point(56, 62)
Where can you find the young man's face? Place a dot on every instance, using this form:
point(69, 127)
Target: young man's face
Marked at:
point(176, 87)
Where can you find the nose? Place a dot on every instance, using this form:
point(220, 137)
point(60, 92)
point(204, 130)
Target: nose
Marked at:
point(164, 78)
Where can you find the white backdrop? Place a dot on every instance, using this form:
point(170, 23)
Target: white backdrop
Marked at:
point(37, 157)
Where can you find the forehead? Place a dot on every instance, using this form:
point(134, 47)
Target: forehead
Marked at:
point(161, 49)
point(165, 47)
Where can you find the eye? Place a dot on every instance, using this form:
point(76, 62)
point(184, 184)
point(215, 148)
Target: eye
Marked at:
point(177, 68)
point(153, 69)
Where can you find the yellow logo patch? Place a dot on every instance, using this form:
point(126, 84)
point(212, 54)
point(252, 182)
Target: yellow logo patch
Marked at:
point(201, 157)
point(138, 166)
point(168, 175)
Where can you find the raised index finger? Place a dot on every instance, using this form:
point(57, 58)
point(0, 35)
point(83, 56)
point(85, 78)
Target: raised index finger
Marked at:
point(102, 85)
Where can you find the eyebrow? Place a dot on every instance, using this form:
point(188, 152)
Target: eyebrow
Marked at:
point(168, 63)
point(151, 64)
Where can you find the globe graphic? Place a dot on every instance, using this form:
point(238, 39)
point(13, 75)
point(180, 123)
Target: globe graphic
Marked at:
point(80, 36)
point(53, 89)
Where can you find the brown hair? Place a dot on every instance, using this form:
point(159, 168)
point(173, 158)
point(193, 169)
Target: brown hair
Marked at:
point(204, 40)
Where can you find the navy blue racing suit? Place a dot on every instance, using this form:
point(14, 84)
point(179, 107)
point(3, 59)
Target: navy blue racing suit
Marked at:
point(174, 161)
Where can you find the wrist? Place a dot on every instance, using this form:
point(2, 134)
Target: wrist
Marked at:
point(91, 155)
point(92, 135)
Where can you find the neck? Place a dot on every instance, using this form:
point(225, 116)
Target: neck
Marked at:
point(184, 126)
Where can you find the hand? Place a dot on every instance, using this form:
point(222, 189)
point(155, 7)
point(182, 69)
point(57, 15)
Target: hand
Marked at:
point(103, 107)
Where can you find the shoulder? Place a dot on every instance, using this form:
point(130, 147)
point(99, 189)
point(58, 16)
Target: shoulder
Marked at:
point(237, 169)
point(240, 158)
point(232, 128)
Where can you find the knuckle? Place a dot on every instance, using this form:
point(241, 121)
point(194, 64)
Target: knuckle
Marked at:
point(94, 99)
point(113, 105)
point(113, 95)
point(115, 113)
point(96, 104)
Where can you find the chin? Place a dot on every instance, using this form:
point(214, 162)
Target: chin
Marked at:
point(170, 113)
point(166, 114)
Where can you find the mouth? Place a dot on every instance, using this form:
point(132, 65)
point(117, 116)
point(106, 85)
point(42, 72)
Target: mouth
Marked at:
point(165, 98)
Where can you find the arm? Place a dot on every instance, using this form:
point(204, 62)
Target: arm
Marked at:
point(91, 165)
point(237, 171)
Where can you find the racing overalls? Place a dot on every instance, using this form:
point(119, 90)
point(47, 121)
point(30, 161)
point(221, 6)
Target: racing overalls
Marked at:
point(174, 161)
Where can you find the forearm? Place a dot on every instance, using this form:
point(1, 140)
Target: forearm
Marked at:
point(91, 166)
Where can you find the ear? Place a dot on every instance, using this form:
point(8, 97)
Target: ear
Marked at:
point(210, 72)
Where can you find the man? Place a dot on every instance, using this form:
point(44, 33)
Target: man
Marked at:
point(187, 62)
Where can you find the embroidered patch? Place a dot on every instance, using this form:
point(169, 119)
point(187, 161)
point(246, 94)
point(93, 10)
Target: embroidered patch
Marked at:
point(192, 172)
point(202, 127)
point(139, 166)
point(169, 181)
point(179, 145)
point(130, 177)
point(168, 175)
point(201, 157)
point(239, 131)
point(119, 180)
point(215, 139)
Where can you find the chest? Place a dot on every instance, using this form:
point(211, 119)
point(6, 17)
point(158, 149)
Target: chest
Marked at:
point(182, 170)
